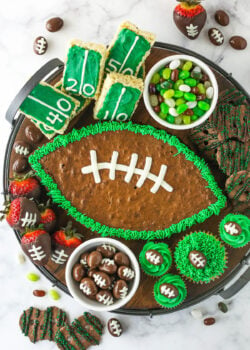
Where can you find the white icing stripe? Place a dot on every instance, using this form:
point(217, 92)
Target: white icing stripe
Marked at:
point(145, 172)
point(113, 165)
point(36, 253)
point(118, 103)
point(48, 106)
point(95, 167)
point(128, 54)
point(83, 70)
point(29, 220)
point(131, 168)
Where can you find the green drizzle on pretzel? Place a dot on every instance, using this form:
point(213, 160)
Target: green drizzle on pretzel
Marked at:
point(235, 230)
point(164, 286)
point(149, 267)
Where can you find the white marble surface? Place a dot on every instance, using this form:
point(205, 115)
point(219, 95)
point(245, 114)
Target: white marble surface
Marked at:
point(20, 23)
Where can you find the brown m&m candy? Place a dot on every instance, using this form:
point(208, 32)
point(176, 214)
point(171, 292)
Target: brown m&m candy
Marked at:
point(94, 259)
point(197, 259)
point(33, 134)
point(232, 228)
point(78, 272)
point(215, 36)
point(238, 42)
point(169, 290)
point(54, 24)
point(88, 287)
point(221, 17)
point(40, 45)
point(20, 165)
point(121, 259)
point(154, 257)
point(102, 280)
point(105, 297)
point(107, 250)
point(115, 327)
point(126, 273)
point(22, 148)
point(120, 290)
point(108, 265)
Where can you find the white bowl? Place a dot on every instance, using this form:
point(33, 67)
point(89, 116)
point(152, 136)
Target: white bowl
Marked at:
point(73, 286)
point(160, 65)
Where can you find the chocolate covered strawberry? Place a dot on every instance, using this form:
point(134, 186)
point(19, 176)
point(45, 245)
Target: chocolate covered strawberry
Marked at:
point(48, 217)
point(21, 213)
point(25, 186)
point(190, 17)
point(36, 243)
point(64, 241)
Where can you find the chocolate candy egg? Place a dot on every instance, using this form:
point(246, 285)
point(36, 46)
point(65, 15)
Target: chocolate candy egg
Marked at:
point(221, 17)
point(153, 257)
point(33, 134)
point(83, 259)
point(169, 290)
point(115, 327)
point(215, 36)
point(108, 265)
point(94, 259)
point(78, 272)
point(107, 250)
point(20, 165)
point(88, 287)
point(22, 148)
point(105, 297)
point(126, 273)
point(102, 280)
point(120, 290)
point(121, 259)
point(54, 24)
point(197, 259)
point(238, 42)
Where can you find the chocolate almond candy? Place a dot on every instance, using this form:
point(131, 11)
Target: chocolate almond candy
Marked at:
point(39, 250)
point(121, 259)
point(107, 250)
point(108, 265)
point(169, 290)
point(222, 18)
point(238, 42)
point(154, 257)
point(83, 259)
point(54, 24)
point(115, 327)
point(215, 36)
point(120, 290)
point(78, 272)
point(94, 259)
point(88, 287)
point(29, 215)
point(40, 45)
point(20, 165)
point(126, 273)
point(22, 148)
point(33, 134)
point(232, 228)
point(197, 259)
point(105, 297)
point(101, 279)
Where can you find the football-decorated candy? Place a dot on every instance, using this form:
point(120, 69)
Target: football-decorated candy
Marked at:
point(107, 250)
point(197, 259)
point(88, 287)
point(105, 297)
point(126, 273)
point(115, 327)
point(108, 265)
point(102, 280)
point(120, 290)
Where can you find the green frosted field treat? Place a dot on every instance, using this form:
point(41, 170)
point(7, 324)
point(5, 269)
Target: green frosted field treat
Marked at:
point(119, 97)
point(84, 68)
point(128, 50)
point(49, 106)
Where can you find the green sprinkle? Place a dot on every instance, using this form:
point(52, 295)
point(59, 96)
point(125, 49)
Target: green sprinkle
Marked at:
point(33, 277)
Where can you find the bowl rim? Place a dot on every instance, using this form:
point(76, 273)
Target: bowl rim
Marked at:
point(158, 66)
point(84, 301)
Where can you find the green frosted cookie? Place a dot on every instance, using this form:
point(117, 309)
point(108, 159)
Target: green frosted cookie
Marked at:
point(84, 68)
point(119, 97)
point(235, 230)
point(200, 257)
point(155, 258)
point(170, 291)
point(49, 106)
point(128, 50)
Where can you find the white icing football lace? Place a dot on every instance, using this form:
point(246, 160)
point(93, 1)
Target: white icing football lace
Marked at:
point(231, 229)
point(107, 261)
point(99, 280)
point(198, 260)
point(127, 272)
point(153, 257)
point(59, 256)
point(86, 290)
point(168, 292)
point(36, 253)
point(217, 36)
point(123, 292)
point(105, 299)
point(41, 45)
point(130, 170)
point(21, 150)
point(30, 219)
point(116, 328)
point(109, 247)
point(84, 262)
point(192, 30)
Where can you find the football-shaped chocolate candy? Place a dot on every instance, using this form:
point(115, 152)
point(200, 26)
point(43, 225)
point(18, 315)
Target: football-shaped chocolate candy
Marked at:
point(91, 272)
point(126, 273)
point(215, 36)
point(169, 290)
point(33, 134)
point(22, 148)
point(102, 280)
point(20, 165)
point(94, 259)
point(105, 297)
point(83, 259)
point(120, 290)
point(107, 250)
point(121, 259)
point(115, 327)
point(88, 287)
point(40, 45)
point(78, 272)
point(197, 259)
point(154, 257)
point(232, 228)
point(108, 265)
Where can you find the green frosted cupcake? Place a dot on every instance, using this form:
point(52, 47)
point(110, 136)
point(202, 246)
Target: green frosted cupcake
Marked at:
point(155, 258)
point(235, 230)
point(170, 291)
point(200, 257)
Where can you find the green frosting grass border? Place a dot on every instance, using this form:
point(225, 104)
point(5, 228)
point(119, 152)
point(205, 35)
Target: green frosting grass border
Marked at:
point(98, 128)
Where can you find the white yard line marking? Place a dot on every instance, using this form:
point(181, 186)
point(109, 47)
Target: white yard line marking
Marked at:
point(48, 106)
point(128, 54)
point(118, 103)
point(83, 70)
